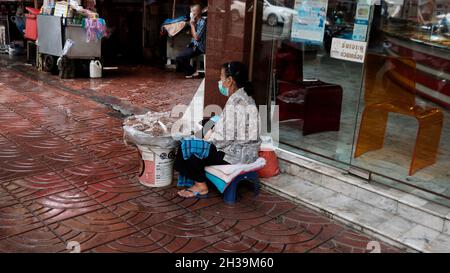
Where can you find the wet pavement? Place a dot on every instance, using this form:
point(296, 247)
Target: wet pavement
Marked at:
point(65, 175)
point(145, 88)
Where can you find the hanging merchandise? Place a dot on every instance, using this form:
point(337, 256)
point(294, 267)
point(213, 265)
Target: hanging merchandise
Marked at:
point(67, 46)
point(95, 29)
point(65, 65)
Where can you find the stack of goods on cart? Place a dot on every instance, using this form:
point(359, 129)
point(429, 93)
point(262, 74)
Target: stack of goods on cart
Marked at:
point(80, 29)
point(67, 8)
point(80, 12)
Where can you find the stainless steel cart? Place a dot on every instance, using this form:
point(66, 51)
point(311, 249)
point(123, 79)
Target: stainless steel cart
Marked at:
point(53, 32)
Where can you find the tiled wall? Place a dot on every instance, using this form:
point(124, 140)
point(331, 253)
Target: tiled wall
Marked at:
point(226, 41)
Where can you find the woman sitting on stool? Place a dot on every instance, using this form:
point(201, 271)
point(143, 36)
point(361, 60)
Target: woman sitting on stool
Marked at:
point(234, 138)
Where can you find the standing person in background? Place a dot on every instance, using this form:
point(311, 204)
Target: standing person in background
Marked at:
point(197, 46)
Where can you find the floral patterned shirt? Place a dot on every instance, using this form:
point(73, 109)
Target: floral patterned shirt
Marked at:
point(236, 133)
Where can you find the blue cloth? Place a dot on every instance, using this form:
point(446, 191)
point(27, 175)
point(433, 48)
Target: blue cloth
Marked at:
point(215, 118)
point(174, 20)
point(183, 181)
point(219, 183)
point(200, 28)
point(195, 146)
point(190, 147)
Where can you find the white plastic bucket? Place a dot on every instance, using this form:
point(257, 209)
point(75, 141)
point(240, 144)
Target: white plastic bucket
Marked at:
point(158, 166)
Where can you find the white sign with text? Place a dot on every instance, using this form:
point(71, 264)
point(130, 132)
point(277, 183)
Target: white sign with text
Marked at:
point(349, 50)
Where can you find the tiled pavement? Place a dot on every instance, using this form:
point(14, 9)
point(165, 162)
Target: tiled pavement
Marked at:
point(145, 87)
point(65, 175)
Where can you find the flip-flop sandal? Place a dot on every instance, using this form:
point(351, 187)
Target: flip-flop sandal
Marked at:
point(193, 76)
point(197, 195)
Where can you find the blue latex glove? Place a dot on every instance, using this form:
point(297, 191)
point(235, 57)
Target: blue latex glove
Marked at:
point(215, 118)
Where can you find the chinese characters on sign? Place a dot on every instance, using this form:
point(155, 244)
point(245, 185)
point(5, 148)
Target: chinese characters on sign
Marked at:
point(348, 50)
point(309, 23)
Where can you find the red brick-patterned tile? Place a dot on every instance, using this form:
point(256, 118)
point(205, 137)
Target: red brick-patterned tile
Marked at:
point(62, 206)
point(93, 229)
point(37, 186)
point(40, 240)
point(17, 219)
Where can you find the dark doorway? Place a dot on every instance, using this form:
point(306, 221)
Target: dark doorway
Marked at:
point(124, 46)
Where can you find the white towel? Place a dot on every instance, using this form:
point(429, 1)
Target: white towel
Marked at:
point(228, 172)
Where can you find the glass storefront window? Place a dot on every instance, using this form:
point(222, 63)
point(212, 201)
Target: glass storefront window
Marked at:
point(318, 95)
point(410, 56)
point(388, 114)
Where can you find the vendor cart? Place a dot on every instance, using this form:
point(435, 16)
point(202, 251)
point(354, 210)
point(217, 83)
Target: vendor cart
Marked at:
point(54, 31)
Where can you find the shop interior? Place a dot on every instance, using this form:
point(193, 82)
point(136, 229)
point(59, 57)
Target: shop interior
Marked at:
point(134, 29)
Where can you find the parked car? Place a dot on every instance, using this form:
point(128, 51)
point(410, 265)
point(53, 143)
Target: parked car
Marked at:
point(274, 12)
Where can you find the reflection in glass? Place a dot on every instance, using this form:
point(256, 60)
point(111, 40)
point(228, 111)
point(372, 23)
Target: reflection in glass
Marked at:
point(387, 91)
point(390, 115)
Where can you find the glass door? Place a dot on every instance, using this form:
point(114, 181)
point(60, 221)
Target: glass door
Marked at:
point(403, 128)
point(317, 93)
point(361, 86)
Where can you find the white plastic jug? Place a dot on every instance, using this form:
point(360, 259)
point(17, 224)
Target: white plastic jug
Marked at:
point(95, 69)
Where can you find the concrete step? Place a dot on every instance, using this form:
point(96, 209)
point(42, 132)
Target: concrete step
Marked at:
point(396, 217)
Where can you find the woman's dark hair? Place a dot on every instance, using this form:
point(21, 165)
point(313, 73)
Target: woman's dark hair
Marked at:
point(238, 71)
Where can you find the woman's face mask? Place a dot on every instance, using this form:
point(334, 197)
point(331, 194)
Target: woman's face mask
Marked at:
point(223, 90)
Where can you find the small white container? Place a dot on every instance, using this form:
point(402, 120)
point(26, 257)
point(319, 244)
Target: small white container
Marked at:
point(95, 69)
